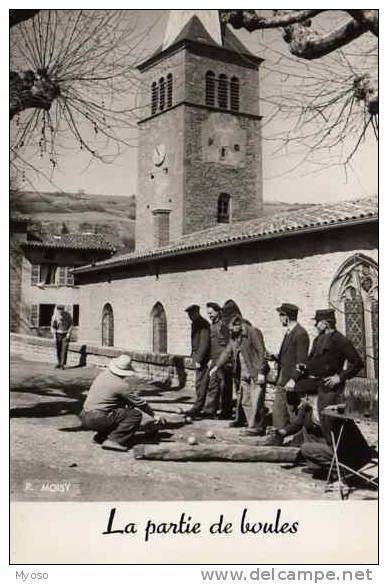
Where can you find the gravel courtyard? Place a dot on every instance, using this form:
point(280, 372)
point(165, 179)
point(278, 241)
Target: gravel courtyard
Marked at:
point(54, 459)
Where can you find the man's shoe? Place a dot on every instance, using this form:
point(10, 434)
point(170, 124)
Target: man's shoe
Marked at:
point(250, 432)
point(208, 415)
point(237, 424)
point(112, 445)
point(100, 437)
point(57, 367)
point(270, 440)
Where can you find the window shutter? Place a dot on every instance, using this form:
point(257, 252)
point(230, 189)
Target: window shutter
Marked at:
point(34, 315)
point(35, 274)
point(69, 277)
point(62, 276)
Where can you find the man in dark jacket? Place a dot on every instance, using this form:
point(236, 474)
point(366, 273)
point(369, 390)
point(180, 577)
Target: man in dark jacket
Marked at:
point(200, 351)
point(220, 386)
point(247, 351)
point(325, 373)
point(293, 351)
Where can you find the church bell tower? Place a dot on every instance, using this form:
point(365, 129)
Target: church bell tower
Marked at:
point(200, 161)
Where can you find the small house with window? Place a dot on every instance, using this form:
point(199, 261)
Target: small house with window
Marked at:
point(47, 278)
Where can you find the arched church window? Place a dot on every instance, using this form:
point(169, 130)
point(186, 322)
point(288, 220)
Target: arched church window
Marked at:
point(235, 94)
point(210, 89)
point(162, 93)
point(159, 329)
point(107, 326)
point(223, 91)
point(223, 208)
point(154, 97)
point(354, 295)
point(169, 90)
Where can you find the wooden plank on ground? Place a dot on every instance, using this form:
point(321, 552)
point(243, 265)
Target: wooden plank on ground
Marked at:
point(207, 452)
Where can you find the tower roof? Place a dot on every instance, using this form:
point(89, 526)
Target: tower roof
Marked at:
point(192, 25)
point(201, 27)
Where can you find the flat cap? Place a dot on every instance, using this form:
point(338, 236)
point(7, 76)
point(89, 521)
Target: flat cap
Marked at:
point(288, 309)
point(192, 308)
point(214, 306)
point(324, 314)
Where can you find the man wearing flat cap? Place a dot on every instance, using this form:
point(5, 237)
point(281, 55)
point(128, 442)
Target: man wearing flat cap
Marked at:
point(200, 350)
point(325, 371)
point(220, 386)
point(293, 351)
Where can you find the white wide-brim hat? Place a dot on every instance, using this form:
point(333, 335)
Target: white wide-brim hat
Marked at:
point(121, 366)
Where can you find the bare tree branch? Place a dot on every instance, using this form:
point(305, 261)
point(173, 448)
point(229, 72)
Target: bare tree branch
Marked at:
point(251, 21)
point(17, 16)
point(308, 44)
point(368, 18)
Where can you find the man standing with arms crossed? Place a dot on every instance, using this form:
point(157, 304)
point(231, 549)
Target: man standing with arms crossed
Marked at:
point(293, 351)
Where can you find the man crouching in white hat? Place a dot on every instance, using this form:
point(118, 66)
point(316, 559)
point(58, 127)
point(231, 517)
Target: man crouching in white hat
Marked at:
point(113, 408)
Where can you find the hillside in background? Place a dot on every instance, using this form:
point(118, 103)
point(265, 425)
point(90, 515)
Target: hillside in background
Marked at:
point(111, 216)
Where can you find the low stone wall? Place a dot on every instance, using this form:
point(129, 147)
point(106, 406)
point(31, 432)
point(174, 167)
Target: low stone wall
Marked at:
point(176, 370)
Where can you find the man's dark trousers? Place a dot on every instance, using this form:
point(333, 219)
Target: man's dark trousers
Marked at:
point(119, 424)
point(282, 412)
point(62, 345)
point(220, 392)
point(201, 383)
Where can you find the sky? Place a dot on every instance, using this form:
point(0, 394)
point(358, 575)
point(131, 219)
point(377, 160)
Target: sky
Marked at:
point(286, 177)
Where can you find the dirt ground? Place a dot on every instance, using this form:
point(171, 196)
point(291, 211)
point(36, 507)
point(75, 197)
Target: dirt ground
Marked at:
point(54, 459)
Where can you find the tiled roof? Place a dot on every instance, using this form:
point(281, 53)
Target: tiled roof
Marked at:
point(80, 241)
point(307, 219)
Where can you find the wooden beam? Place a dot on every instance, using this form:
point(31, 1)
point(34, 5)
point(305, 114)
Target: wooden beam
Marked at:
point(207, 452)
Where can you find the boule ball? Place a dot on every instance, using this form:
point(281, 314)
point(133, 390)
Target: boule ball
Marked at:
point(192, 440)
point(210, 434)
point(180, 411)
point(188, 419)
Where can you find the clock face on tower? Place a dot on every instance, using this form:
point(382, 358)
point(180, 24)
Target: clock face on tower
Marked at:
point(159, 154)
point(223, 140)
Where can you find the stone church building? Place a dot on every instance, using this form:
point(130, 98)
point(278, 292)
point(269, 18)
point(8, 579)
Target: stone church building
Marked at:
point(200, 231)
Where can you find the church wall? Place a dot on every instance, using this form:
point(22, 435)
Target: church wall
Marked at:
point(257, 281)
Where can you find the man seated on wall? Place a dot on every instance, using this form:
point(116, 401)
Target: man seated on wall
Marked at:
point(114, 409)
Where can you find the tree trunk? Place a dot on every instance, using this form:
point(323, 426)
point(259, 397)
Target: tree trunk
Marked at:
point(207, 452)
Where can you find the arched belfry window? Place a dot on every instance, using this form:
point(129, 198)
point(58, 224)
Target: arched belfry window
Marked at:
point(223, 91)
point(159, 329)
point(210, 89)
point(154, 97)
point(169, 89)
point(107, 326)
point(235, 94)
point(354, 295)
point(162, 93)
point(223, 208)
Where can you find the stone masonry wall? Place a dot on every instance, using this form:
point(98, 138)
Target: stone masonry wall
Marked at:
point(258, 278)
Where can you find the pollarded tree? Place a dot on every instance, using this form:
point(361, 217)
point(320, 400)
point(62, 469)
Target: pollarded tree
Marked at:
point(72, 75)
point(327, 77)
